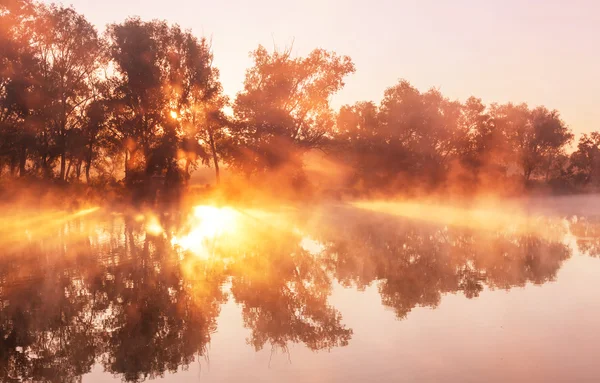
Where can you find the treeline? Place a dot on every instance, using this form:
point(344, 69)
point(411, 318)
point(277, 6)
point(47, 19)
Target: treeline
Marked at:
point(142, 103)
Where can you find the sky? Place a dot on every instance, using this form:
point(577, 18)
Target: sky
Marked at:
point(543, 52)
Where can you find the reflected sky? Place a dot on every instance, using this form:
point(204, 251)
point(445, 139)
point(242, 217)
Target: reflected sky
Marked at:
point(331, 293)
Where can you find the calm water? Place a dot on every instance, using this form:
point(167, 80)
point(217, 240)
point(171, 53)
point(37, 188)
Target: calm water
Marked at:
point(327, 294)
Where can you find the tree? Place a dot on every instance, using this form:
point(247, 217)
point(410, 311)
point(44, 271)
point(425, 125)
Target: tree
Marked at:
point(411, 137)
point(284, 110)
point(162, 92)
point(70, 52)
point(200, 105)
point(19, 90)
point(585, 161)
point(99, 139)
point(360, 140)
point(551, 137)
point(537, 137)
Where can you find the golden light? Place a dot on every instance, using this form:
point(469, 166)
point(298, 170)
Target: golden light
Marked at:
point(174, 114)
point(152, 226)
point(208, 223)
point(36, 224)
point(83, 212)
point(490, 217)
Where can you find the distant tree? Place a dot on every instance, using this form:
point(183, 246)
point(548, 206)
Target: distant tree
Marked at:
point(552, 135)
point(284, 107)
point(485, 147)
point(411, 136)
point(537, 137)
point(585, 161)
point(360, 140)
point(148, 96)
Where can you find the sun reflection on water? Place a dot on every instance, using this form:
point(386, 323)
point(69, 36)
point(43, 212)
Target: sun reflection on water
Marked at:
point(207, 224)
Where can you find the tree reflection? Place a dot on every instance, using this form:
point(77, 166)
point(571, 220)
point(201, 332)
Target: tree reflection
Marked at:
point(160, 320)
point(106, 292)
point(414, 264)
point(587, 232)
point(48, 307)
point(283, 290)
point(123, 303)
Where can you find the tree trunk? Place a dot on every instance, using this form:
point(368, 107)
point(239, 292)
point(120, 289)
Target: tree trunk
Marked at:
point(68, 170)
point(126, 163)
point(213, 149)
point(548, 167)
point(187, 170)
point(88, 165)
point(22, 160)
point(78, 169)
point(63, 160)
point(88, 161)
point(527, 175)
point(12, 167)
point(47, 172)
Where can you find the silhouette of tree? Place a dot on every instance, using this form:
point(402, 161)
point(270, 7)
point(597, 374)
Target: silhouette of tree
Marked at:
point(70, 53)
point(200, 104)
point(485, 154)
point(70, 99)
point(19, 85)
point(164, 97)
point(140, 102)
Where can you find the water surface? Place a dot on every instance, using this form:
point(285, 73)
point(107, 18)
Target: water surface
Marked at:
point(320, 294)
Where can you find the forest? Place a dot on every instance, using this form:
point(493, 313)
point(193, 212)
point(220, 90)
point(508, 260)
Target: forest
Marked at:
point(139, 107)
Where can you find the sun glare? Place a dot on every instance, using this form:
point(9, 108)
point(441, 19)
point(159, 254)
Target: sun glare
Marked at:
point(153, 226)
point(208, 223)
point(174, 114)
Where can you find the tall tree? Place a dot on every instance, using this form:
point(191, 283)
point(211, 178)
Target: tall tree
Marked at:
point(162, 89)
point(139, 101)
point(70, 52)
point(284, 107)
point(19, 79)
point(200, 103)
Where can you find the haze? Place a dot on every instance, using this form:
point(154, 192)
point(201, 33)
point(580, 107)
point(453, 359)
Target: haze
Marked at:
point(305, 192)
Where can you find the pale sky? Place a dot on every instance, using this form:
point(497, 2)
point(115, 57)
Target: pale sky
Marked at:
point(543, 52)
